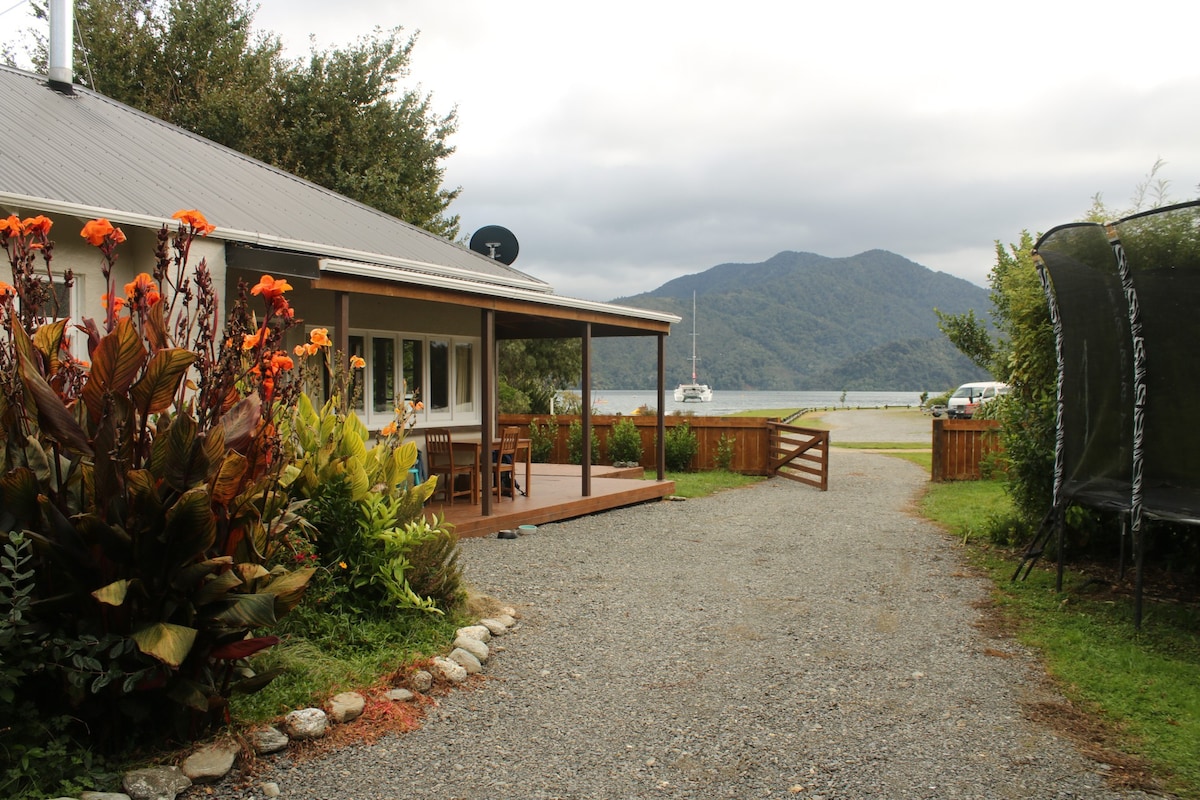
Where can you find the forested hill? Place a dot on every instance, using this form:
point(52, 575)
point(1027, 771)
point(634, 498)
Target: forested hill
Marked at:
point(801, 321)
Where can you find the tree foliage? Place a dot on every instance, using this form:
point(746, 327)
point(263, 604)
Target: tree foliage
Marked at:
point(338, 118)
point(532, 371)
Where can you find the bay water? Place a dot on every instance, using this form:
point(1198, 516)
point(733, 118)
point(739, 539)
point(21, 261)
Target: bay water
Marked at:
point(724, 403)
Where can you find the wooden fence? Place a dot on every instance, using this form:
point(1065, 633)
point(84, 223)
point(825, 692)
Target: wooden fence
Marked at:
point(749, 436)
point(961, 445)
point(801, 454)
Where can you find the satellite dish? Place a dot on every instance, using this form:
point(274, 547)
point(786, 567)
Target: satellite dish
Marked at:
point(496, 242)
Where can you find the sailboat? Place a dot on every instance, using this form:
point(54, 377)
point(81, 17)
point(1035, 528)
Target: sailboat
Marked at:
point(695, 390)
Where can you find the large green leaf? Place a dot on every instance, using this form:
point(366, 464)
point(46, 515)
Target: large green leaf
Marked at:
point(19, 494)
point(191, 527)
point(114, 593)
point(179, 456)
point(192, 574)
point(289, 589)
point(167, 642)
point(155, 391)
point(53, 415)
point(243, 611)
point(48, 339)
point(228, 480)
point(216, 588)
point(116, 362)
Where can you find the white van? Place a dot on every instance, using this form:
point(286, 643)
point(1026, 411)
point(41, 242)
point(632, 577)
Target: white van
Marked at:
point(970, 396)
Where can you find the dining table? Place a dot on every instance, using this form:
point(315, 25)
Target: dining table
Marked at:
point(473, 453)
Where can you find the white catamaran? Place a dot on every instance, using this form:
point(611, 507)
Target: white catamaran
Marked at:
point(701, 392)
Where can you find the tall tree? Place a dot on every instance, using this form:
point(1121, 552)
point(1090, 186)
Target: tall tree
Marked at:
point(343, 123)
point(337, 118)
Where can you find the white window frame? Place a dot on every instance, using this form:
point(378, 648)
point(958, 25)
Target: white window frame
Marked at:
point(455, 413)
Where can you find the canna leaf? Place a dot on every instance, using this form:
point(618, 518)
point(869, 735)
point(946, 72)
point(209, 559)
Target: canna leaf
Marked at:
point(191, 527)
point(228, 480)
point(241, 422)
point(289, 589)
point(116, 362)
point(48, 339)
point(113, 594)
point(243, 648)
point(216, 588)
point(155, 391)
point(53, 415)
point(243, 611)
point(167, 642)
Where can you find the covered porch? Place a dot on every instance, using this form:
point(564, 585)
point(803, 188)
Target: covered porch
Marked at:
point(553, 496)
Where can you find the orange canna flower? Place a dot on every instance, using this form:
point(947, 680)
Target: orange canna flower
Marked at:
point(389, 429)
point(38, 224)
point(300, 350)
point(194, 220)
point(118, 302)
point(281, 361)
point(253, 340)
point(357, 362)
point(418, 405)
point(11, 225)
point(144, 282)
point(6, 288)
point(97, 231)
point(269, 287)
point(320, 337)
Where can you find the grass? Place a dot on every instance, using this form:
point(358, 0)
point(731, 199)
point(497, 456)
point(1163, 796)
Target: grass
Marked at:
point(702, 484)
point(336, 653)
point(1140, 686)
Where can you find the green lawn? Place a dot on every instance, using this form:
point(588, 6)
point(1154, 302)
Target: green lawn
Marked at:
point(1142, 688)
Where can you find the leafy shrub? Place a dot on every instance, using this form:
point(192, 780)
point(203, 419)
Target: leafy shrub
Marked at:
point(625, 442)
point(541, 439)
point(152, 504)
point(725, 452)
point(575, 443)
point(681, 447)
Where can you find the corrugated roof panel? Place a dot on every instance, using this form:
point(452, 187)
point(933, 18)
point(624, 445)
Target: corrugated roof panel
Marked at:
point(65, 154)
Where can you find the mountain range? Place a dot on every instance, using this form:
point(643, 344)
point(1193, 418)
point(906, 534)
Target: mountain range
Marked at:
point(802, 322)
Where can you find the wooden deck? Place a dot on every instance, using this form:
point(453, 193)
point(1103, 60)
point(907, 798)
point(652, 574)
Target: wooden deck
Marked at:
point(555, 496)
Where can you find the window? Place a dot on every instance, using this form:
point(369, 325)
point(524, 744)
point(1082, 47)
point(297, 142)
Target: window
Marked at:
point(439, 372)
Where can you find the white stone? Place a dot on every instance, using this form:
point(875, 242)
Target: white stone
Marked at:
point(450, 670)
point(99, 796)
point(465, 660)
point(306, 723)
point(479, 632)
point(268, 740)
point(154, 783)
point(399, 695)
point(474, 647)
point(346, 706)
point(210, 763)
point(421, 681)
point(496, 627)
point(507, 620)
point(269, 788)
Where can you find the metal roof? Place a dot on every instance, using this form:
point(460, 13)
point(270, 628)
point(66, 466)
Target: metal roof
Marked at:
point(90, 155)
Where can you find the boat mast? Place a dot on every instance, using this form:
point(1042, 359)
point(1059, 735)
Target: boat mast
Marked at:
point(694, 336)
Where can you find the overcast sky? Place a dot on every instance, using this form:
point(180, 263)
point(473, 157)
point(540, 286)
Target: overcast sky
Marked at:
point(628, 143)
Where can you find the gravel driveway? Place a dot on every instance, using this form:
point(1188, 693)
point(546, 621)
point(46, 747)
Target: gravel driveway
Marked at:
point(774, 641)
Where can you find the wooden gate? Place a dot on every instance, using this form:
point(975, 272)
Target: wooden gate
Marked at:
point(959, 445)
point(801, 454)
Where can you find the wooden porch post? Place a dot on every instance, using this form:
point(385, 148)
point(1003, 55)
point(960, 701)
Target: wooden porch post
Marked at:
point(660, 447)
point(341, 323)
point(586, 414)
point(487, 405)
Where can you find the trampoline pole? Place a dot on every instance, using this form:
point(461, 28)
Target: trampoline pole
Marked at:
point(1139, 551)
point(1059, 516)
